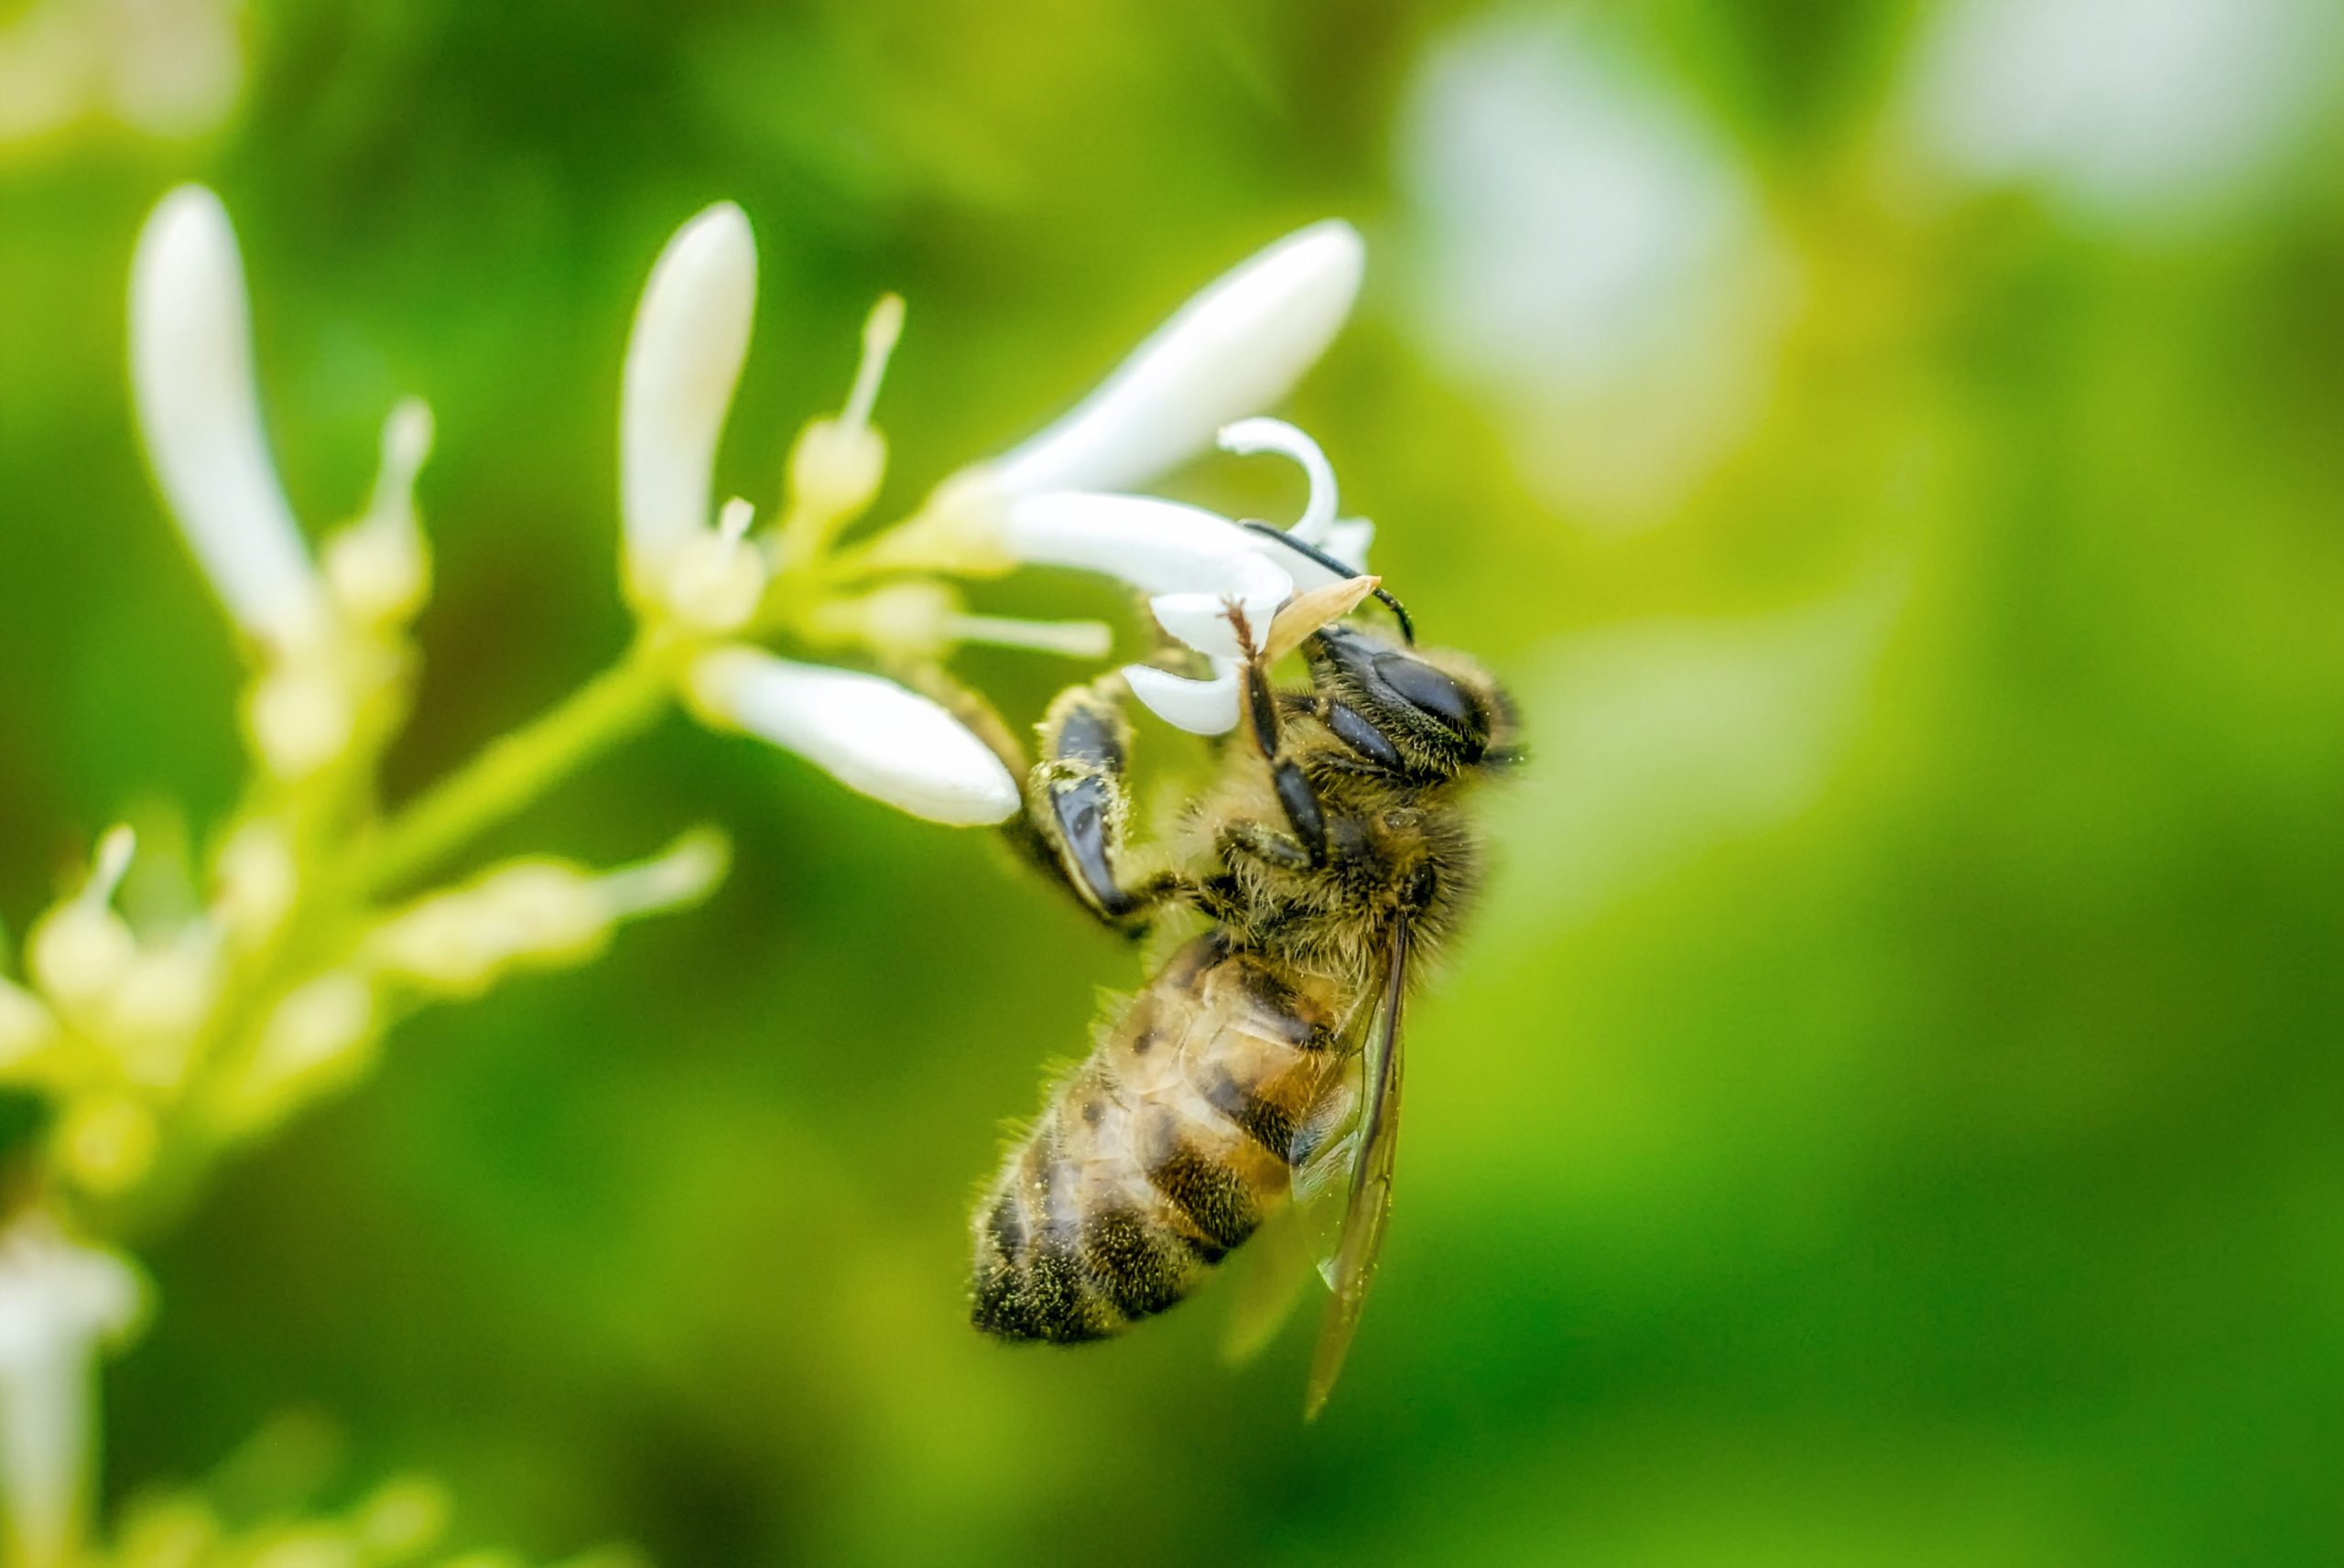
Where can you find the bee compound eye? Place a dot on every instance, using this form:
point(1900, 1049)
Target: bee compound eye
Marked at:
point(1430, 692)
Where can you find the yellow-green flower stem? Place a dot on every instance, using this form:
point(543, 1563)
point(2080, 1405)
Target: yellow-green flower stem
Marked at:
point(514, 770)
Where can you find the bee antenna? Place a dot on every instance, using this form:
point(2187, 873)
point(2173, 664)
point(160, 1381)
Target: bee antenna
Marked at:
point(1313, 553)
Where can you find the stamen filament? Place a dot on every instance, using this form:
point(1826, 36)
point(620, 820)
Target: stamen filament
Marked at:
point(1073, 639)
point(880, 330)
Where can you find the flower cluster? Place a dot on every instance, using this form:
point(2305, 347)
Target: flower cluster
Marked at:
point(707, 577)
point(170, 1005)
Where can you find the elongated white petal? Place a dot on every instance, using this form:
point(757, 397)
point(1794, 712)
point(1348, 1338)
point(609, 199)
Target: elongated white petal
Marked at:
point(875, 736)
point(1232, 350)
point(1200, 707)
point(683, 360)
point(191, 378)
point(1158, 546)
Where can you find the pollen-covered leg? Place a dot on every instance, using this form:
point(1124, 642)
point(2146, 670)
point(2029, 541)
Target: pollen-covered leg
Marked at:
point(1081, 805)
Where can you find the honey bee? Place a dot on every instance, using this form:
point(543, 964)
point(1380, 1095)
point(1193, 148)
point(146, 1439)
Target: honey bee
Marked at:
point(1261, 1068)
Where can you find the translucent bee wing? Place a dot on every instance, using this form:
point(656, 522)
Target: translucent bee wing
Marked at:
point(1272, 1270)
point(1369, 1151)
point(1325, 1150)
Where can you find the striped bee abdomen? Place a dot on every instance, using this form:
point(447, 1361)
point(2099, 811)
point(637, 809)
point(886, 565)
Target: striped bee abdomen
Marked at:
point(1160, 1153)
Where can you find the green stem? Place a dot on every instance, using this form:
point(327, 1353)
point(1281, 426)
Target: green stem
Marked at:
point(513, 769)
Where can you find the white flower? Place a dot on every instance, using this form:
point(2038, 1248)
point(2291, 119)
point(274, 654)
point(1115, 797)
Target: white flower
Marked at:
point(683, 359)
point(1164, 548)
point(1232, 350)
point(58, 1302)
point(872, 735)
point(2122, 110)
point(191, 375)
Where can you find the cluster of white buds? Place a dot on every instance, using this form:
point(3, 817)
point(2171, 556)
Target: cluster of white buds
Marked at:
point(109, 1021)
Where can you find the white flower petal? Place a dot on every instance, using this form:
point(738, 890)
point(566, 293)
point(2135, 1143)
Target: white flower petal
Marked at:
point(1158, 546)
point(683, 360)
point(2181, 106)
point(875, 736)
point(191, 378)
point(1232, 350)
point(1200, 707)
point(1203, 621)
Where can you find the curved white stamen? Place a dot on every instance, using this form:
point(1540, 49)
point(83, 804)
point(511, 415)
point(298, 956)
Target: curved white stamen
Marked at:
point(1248, 437)
point(683, 359)
point(872, 735)
point(1232, 350)
point(1199, 707)
point(198, 409)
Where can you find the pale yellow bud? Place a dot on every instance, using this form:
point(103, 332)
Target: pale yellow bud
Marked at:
point(299, 720)
point(26, 1029)
point(80, 948)
point(835, 470)
point(547, 910)
point(438, 943)
point(321, 1035)
point(403, 1517)
point(257, 880)
point(309, 1546)
point(165, 996)
point(79, 953)
point(107, 1144)
point(378, 574)
point(167, 1533)
point(719, 578)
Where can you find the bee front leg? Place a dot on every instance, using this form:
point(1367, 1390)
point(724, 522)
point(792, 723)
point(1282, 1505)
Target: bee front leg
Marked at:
point(1078, 804)
point(1296, 795)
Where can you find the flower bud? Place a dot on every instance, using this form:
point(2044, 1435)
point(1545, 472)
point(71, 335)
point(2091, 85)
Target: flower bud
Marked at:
point(299, 720)
point(107, 1144)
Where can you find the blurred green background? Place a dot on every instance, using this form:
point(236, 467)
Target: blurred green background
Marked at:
point(1889, 1108)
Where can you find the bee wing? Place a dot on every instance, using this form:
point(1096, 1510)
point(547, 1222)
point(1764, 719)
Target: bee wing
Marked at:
point(1366, 1152)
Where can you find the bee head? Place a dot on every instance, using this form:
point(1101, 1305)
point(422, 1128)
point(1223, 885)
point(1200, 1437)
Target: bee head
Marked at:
point(1421, 711)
